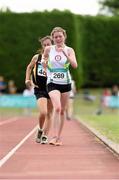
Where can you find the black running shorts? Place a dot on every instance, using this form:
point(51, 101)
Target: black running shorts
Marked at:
point(60, 87)
point(40, 94)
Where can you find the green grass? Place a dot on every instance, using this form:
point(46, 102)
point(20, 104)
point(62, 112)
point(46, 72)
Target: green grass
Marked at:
point(11, 112)
point(106, 123)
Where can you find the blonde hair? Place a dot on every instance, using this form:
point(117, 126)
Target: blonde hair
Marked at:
point(59, 29)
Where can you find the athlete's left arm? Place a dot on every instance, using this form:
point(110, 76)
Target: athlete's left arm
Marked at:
point(70, 54)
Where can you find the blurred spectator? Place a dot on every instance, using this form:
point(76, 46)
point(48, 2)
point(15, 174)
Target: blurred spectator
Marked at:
point(29, 91)
point(105, 97)
point(3, 85)
point(12, 89)
point(103, 100)
point(114, 99)
point(87, 96)
point(115, 90)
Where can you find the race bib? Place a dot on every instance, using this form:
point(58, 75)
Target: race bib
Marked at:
point(59, 77)
point(41, 71)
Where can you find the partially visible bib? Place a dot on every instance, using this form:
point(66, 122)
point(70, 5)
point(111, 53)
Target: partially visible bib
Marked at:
point(41, 71)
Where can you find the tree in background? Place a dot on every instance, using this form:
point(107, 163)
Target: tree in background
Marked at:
point(111, 6)
point(5, 10)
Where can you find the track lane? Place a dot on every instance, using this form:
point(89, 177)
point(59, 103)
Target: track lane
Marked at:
point(82, 156)
point(12, 133)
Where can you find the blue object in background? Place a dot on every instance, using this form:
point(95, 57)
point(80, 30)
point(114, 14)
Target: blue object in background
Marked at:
point(17, 101)
point(114, 102)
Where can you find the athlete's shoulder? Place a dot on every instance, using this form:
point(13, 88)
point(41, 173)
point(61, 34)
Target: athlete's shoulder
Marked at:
point(69, 49)
point(35, 56)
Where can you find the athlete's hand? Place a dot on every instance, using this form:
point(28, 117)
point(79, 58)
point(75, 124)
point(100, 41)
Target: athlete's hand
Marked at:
point(63, 51)
point(59, 49)
point(28, 83)
point(44, 63)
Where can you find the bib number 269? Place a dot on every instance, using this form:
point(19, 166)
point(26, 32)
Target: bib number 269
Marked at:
point(58, 75)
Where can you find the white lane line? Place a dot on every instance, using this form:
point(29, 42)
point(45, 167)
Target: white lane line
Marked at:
point(5, 158)
point(8, 120)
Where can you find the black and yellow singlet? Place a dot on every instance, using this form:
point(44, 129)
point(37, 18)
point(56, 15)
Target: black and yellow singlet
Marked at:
point(39, 75)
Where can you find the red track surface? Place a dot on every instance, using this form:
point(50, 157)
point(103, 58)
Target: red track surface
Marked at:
point(82, 155)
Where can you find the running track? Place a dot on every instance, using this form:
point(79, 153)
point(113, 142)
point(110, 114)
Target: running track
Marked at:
point(82, 155)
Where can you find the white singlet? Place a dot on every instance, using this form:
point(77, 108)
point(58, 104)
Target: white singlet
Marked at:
point(58, 67)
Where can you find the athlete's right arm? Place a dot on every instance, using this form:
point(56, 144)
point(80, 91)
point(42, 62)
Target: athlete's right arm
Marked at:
point(29, 68)
point(45, 56)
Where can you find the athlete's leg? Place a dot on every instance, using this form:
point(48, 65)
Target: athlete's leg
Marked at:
point(64, 101)
point(55, 96)
point(48, 120)
point(69, 109)
point(42, 107)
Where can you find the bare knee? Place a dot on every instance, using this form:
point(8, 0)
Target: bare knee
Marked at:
point(57, 109)
point(63, 111)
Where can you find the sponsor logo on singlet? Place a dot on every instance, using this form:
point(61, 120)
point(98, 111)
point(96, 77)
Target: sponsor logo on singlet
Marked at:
point(57, 57)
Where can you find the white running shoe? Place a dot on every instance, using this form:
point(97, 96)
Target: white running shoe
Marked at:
point(39, 135)
point(44, 139)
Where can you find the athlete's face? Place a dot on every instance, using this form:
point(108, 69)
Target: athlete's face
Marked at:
point(46, 42)
point(58, 38)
